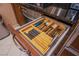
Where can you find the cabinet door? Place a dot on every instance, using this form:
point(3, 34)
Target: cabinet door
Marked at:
point(73, 44)
point(66, 53)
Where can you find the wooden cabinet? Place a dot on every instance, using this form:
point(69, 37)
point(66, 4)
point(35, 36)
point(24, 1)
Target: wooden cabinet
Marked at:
point(71, 47)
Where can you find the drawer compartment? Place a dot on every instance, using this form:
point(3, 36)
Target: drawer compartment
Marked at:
point(43, 32)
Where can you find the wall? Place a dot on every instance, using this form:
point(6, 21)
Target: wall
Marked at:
point(8, 14)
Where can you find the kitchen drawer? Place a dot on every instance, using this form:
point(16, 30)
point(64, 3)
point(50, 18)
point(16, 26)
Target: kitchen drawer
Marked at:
point(46, 41)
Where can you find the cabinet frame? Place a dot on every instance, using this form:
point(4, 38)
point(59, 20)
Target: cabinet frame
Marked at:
point(69, 41)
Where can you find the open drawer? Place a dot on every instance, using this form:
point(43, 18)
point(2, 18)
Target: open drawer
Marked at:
point(44, 34)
